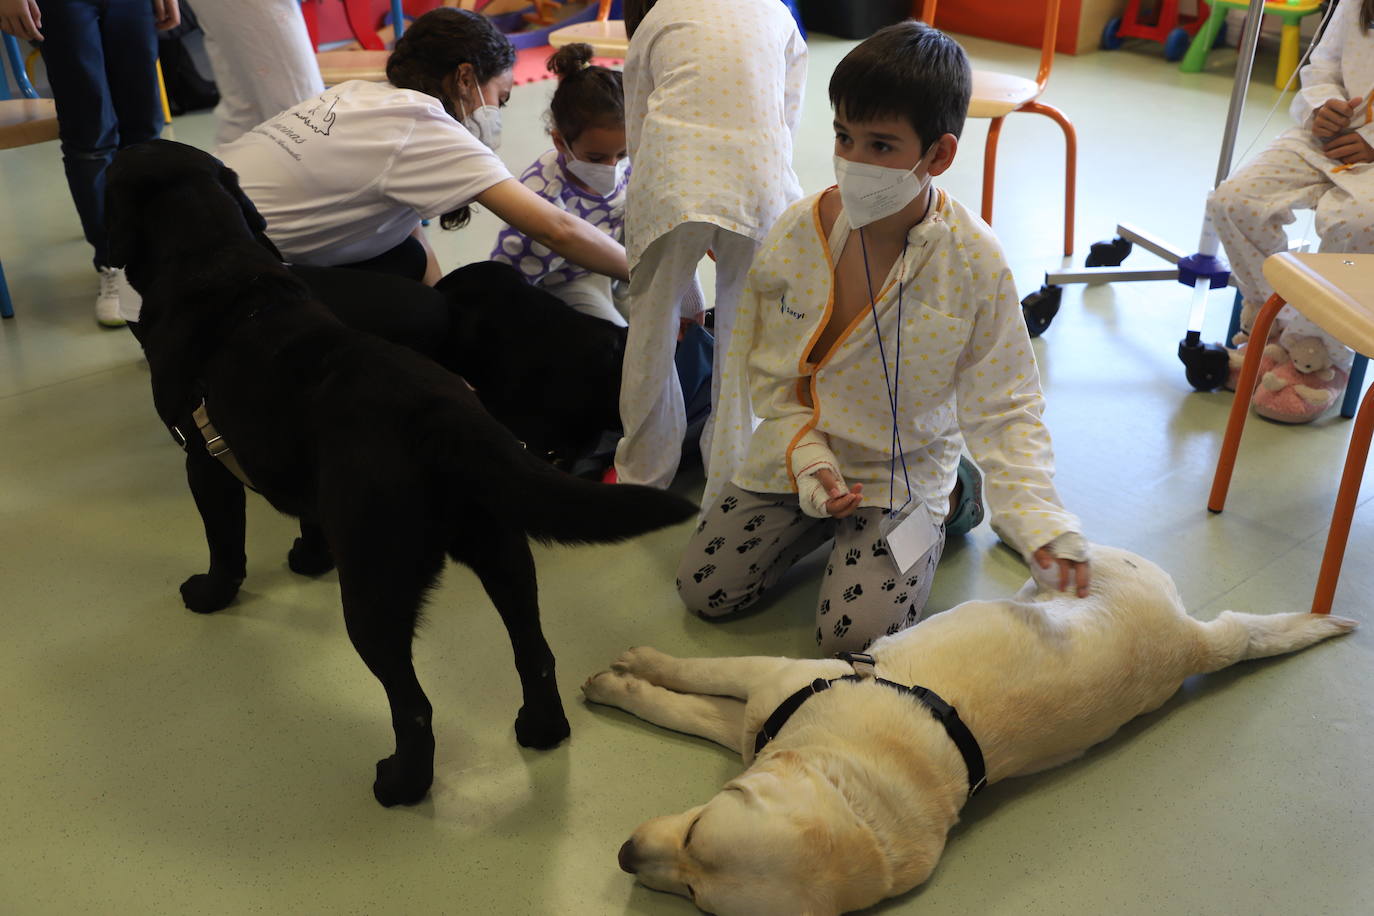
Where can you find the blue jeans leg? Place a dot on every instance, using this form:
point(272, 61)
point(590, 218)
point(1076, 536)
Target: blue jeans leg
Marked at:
point(101, 58)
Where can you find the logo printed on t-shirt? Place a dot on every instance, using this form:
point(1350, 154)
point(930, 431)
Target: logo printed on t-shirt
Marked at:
point(325, 121)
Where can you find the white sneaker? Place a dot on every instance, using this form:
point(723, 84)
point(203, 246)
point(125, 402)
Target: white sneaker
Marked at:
point(107, 311)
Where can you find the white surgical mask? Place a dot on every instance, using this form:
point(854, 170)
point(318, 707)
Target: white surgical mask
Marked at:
point(484, 122)
point(871, 192)
point(602, 178)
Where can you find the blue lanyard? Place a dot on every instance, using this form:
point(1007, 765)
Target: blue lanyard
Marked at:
point(891, 378)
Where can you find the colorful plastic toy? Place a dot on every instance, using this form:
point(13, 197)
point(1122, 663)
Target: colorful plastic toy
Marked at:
point(1212, 33)
point(1163, 23)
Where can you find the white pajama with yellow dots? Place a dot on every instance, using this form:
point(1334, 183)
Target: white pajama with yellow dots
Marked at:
point(965, 377)
point(1250, 209)
point(713, 92)
point(262, 58)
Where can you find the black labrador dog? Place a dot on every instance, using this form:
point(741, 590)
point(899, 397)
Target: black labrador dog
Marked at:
point(549, 373)
point(387, 454)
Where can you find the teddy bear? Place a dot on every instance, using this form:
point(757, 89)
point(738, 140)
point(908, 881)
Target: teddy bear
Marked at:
point(1236, 351)
point(1300, 376)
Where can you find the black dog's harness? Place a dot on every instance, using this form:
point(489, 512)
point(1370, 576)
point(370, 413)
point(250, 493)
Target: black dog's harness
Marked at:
point(944, 713)
point(214, 444)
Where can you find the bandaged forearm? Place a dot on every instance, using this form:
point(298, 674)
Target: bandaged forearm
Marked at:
point(807, 459)
point(1069, 546)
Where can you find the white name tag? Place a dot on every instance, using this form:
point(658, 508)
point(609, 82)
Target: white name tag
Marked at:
point(910, 539)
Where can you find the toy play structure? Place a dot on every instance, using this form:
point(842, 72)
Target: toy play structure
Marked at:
point(1163, 23)
point(1290, 13)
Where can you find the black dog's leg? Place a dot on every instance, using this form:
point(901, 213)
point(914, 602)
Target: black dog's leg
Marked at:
point(220, 499)
point(381, 605)
point(309, 555)
point(500, 556)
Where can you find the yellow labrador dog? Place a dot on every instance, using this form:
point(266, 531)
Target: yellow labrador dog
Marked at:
point(851, 799)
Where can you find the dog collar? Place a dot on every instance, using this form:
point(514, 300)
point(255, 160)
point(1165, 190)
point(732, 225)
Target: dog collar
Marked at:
point(944, 713)
point(214, 444)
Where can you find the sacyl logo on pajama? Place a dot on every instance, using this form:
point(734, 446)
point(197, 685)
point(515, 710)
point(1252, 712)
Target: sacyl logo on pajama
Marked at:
point(788, 310)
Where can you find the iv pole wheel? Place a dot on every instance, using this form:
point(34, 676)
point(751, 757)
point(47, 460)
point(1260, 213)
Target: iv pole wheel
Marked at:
point(1108, 254)
point(1204, 365)
point(1039, 308)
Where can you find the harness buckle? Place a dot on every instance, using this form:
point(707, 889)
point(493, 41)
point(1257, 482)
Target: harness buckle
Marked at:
point(178, 436)
point(864, 665)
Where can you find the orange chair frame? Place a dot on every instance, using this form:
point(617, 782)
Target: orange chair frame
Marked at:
point(1355, 457)
point(925, 11)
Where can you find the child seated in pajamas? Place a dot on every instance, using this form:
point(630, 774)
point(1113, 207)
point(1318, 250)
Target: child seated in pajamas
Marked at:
point(883, 298)
point(1323, 163)
point(585, 173)
point(712, 98)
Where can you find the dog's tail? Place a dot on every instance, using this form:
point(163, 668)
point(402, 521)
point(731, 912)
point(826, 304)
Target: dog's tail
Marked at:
point(1234, 637)
point(554, 506)
point(550, 505)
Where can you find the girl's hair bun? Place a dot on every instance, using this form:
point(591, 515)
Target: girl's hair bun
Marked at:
point(569, 59)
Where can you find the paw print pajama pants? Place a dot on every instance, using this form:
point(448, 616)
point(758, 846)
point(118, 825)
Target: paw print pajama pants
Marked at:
point(748, 541)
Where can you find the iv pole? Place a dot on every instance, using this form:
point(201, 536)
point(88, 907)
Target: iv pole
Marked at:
point(1205, 364)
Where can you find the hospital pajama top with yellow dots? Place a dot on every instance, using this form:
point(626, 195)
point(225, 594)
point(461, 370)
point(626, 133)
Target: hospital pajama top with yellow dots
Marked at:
point(967, 376)
point(713, 92)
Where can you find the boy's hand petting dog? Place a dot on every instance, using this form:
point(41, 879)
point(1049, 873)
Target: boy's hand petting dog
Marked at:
point(1349, 148)
point(1333, 117)
point(842, 502)
point(1076, 571)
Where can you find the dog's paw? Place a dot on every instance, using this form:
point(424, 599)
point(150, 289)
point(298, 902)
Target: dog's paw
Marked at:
point(641, 661)
point(205, 594)
point(541, 730)
point(397, 784)
point(610, 688)
point(309, 559)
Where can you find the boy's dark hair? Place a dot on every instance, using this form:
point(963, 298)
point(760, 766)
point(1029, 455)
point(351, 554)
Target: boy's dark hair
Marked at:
point(587, 95)
point(908, 70)
point(433, 47)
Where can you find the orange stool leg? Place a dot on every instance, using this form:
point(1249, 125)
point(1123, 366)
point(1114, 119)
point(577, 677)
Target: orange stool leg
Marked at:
point(990, 166)
point(1349, 492)
point(1240, 406)
point(1070, 164)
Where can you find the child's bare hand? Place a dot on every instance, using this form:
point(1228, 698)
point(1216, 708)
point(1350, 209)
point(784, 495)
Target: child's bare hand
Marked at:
point(21, 18)
point(1350, 148)
point(842, 502)
point(1334, 117)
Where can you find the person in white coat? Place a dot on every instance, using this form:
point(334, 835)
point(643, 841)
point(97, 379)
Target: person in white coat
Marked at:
point(880, 334)
point(713, 92)
point(1324, 163)
point(262, 58)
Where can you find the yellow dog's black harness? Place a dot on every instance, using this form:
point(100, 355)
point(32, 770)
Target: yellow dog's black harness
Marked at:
point(944, 713)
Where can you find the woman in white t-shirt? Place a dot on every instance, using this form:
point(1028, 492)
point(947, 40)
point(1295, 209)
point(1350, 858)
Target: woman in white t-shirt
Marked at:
point(345, 179)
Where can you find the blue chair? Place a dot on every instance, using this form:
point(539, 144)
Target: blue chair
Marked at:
point(23, 121)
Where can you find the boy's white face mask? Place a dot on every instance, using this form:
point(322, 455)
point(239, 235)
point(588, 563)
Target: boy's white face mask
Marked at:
point(602, 178)
point(484, 123)
point(872, 192)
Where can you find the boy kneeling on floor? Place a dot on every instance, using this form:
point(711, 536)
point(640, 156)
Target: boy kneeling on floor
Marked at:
point(867, 391)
